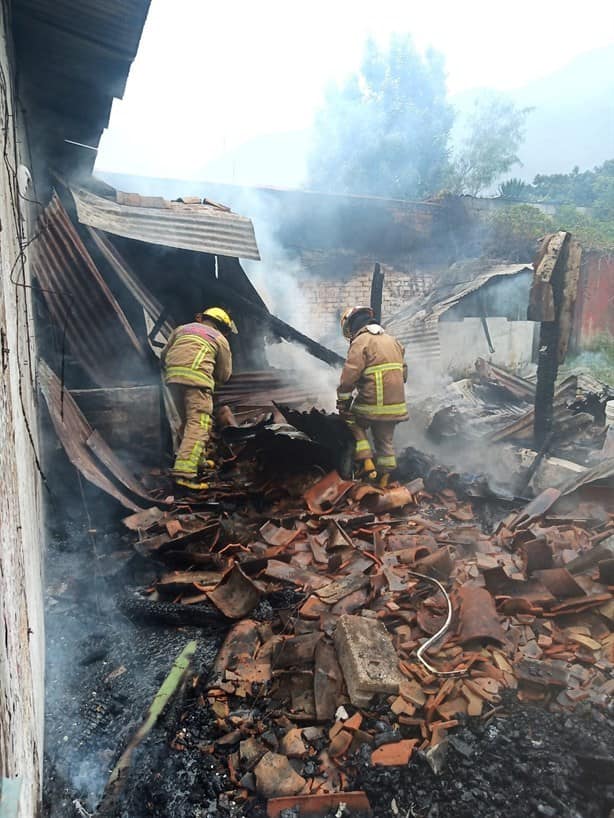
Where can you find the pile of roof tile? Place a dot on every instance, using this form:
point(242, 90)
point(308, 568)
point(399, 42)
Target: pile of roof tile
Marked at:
point(335, 671)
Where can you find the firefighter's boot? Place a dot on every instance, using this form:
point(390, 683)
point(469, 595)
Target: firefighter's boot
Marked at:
point(192, 485)
point(383, 481)
point(368, 469)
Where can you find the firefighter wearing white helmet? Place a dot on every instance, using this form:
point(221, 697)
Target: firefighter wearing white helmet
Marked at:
point(371, 393)
point(196, 358)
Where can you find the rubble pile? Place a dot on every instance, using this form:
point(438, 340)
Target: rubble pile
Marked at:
point(365, 626)
point(497, 406)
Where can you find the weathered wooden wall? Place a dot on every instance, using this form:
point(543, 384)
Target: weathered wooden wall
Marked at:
point(21, 609)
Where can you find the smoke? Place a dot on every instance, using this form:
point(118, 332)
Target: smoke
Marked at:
point(316, 377)
point(278, 277)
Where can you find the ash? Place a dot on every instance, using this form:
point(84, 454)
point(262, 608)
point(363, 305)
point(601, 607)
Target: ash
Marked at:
point(103, 671)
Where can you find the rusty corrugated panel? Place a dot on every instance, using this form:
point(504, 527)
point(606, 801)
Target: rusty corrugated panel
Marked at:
point(74, 433)
point(420, 339)
point(129, 278)
point(82, 305)
point(201, 228)
point(594, 314)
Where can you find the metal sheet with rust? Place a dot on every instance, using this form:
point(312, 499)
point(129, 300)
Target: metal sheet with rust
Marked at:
point(82, 305)
point(108, 458)
point(131, 280)
point(198, 227)
point(74, 432)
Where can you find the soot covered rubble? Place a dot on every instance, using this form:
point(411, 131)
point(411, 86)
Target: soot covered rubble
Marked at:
point(332, 693)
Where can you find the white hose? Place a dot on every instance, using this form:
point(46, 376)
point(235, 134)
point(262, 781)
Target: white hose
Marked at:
point(429, 642)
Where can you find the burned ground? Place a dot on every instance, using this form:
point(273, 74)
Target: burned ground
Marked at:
point(514, 759)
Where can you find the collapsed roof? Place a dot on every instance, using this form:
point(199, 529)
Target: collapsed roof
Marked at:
point(480, 290)
point(204, 228)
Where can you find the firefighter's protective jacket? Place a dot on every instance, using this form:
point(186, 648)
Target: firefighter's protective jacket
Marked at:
point(376, 370)
point(197, 355)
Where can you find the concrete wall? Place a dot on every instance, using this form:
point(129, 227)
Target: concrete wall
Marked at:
point(463, 341)
point(21, 609)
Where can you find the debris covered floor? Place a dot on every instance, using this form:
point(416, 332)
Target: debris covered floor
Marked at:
point(309, 597)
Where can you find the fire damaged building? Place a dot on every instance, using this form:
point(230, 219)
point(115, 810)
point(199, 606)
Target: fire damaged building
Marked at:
point(62, 64)
point(297, 638)
point(485, 314)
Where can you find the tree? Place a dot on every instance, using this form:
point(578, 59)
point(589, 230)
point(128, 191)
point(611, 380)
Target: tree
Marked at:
point(584, 201)
point(564, 188)
point(603, 188)
point(588, 188)
point(514, 189)
point(385, 130)
point(493, 133)
point(513, 232)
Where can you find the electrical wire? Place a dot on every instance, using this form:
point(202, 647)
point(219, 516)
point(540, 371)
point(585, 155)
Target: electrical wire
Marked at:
point(440, 633)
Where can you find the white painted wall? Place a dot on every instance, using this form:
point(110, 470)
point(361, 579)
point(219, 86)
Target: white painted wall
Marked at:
point(21, 609)
point(464, 341)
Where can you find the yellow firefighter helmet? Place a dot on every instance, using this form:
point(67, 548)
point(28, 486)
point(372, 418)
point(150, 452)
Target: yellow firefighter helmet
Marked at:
point(352, 312)
point(221, 317)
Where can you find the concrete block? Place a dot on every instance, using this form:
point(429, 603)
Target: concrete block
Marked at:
point(367, 657)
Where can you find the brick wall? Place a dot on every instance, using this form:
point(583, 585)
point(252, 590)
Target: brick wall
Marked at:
point(324, 299)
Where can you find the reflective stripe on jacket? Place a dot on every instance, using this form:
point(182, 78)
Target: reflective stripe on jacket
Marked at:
point(376, 370)
point(197, 355)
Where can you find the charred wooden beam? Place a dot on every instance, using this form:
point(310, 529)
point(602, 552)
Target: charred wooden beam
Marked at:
point(280, 328)
point(552, 300)
point(377, 292)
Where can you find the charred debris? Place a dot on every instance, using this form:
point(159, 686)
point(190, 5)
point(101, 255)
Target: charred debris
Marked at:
point(363, 634)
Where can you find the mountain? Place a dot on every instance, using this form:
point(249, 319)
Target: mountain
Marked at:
point(572, 121)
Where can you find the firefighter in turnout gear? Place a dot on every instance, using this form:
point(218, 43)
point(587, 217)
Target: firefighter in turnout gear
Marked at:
point(196, 358)
point(371, 393)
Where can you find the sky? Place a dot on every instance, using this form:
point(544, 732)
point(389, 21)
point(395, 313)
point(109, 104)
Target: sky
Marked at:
point(209, 77)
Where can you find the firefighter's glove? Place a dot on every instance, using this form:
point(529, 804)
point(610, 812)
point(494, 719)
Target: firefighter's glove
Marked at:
point(343, 407)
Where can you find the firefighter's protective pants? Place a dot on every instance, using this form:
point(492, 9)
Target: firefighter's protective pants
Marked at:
point(382, 432)
point(196, 406)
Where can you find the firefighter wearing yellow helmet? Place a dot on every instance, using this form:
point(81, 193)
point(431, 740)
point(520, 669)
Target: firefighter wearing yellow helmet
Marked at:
point(196, 358)
point(371, 393)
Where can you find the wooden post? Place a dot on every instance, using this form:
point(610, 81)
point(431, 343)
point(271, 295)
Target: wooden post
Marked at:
point(552, 301)
point(377, 291)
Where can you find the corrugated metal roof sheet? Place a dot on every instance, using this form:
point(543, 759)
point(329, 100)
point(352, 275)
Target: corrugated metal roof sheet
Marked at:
point(115, 24)
point(81, 443)
point(82, 305)
point(201, 228)
point(73, 58)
